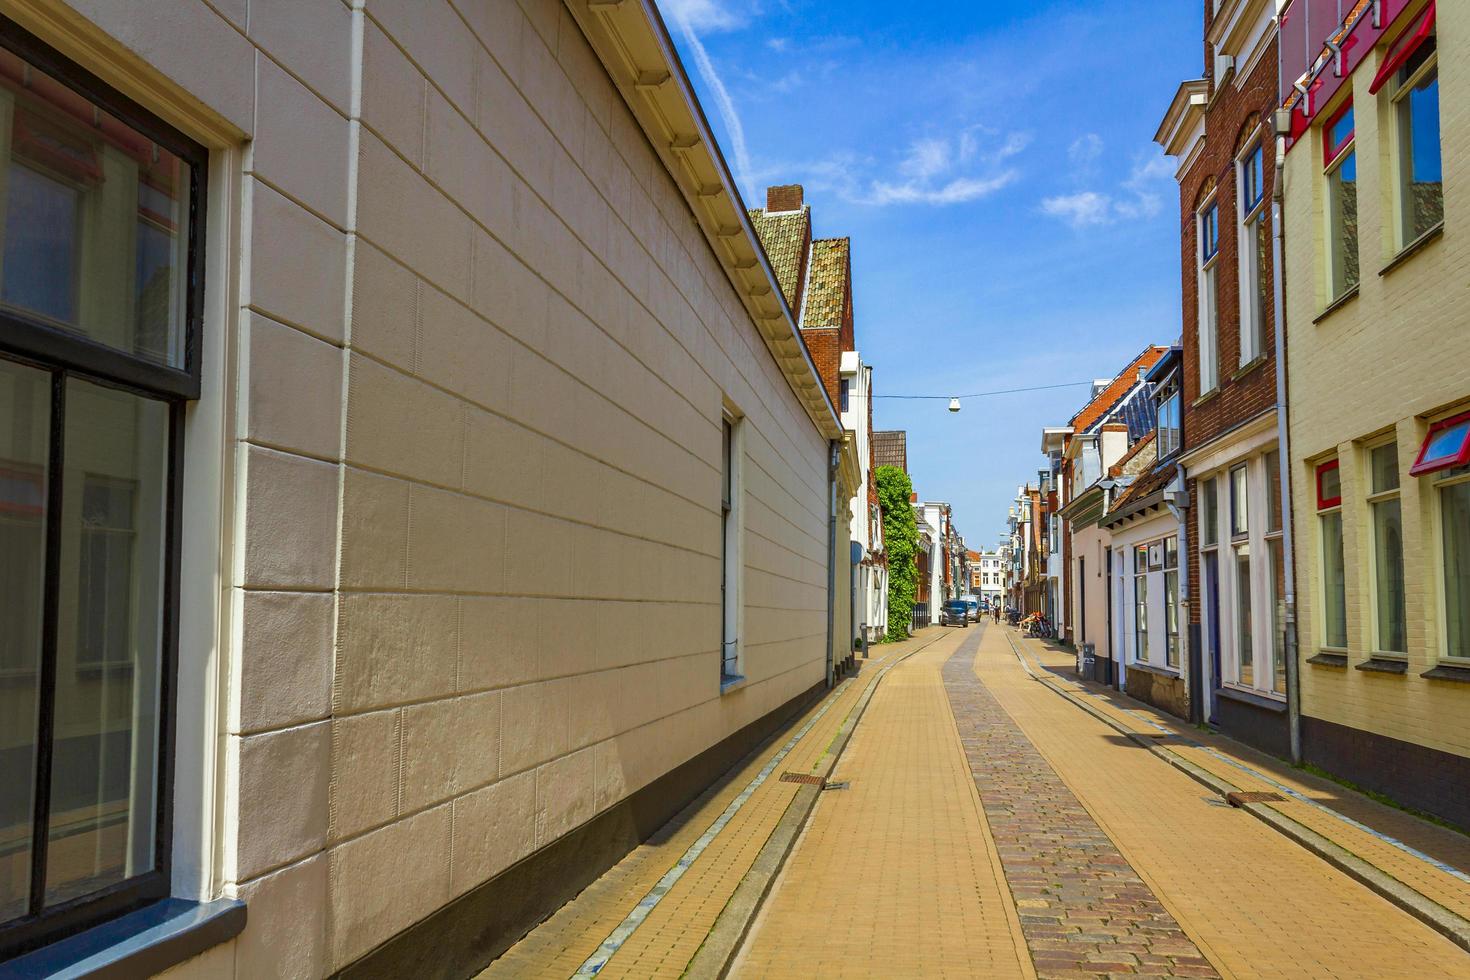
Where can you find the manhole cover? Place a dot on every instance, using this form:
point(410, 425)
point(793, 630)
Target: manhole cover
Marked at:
point(1240, 799)
point(802, 777)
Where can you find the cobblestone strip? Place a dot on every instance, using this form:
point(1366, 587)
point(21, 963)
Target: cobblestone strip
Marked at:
point(1084, 911)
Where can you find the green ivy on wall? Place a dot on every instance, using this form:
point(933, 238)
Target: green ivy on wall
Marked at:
point(901, 541)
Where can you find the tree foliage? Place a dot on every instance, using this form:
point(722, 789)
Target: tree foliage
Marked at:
point(901, 542)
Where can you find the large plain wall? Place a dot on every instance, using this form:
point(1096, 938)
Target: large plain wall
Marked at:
point(472, 353)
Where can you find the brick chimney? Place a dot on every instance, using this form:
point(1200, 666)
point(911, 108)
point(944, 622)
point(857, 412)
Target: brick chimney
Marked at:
point(786, 197)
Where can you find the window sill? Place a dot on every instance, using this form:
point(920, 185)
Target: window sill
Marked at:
point(1383, 665)
point(1328, 659)
point(1151, 669)
point(1207, 396)
point(1412, 249)
point(1254, 698)
point(1248, 367)
point(138, 944)
point(1336, 305)
point(728, 683)
point(1449, 672)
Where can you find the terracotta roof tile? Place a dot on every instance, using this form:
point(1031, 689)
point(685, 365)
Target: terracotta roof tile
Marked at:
point(826, 283)
point(1148, 483)
point(1119, 387)
point(783, 235)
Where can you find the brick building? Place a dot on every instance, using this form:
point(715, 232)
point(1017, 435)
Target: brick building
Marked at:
point(1220, 129)
point(1377, 176)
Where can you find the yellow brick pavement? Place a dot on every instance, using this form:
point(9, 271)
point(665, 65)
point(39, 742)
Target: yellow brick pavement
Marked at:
point(667, 940)
point(1439, 843)
point(896, 876)
point(1255, 903)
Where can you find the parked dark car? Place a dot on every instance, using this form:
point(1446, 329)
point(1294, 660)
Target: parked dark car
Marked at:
point(955, 612)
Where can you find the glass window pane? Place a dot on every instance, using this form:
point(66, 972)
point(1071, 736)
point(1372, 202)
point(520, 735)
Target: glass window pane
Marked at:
point(1261, 295)
point(96, 221)
point(1171, 617)
point(1388, 571)
point(1243, 631)
point(1454, 502)
point(1273, 491)
point(1421, 173)
point(1239, 523)
point(1210, 532)
point(1342, 203)
point(1329, 484)
point(1341, 130)
point(109, 641)
point(25, 423)
point(1334, 584)
point(1278, 614)
point(1384, 462)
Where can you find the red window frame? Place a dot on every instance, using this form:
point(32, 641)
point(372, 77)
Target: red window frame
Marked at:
point(1403, 48)
point(1424, 463)
point(1324, 503)
point(1332, 151)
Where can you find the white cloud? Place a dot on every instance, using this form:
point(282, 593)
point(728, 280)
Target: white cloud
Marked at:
point(1138, 197)
point(684, 13)
point(948, 169)
point(1084, 151)
point(778, 43)
point(1081, 209)
point(707, 15)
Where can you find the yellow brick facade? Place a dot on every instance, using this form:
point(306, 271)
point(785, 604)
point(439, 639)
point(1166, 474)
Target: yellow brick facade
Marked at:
point(1386, 363)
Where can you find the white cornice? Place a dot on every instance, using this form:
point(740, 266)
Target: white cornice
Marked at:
point(1184, 118)
point(631, 41)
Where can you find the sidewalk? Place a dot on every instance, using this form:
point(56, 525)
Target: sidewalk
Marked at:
point(1256, 901)
point(1432, 860)
point(898, 875)
point(593, 933)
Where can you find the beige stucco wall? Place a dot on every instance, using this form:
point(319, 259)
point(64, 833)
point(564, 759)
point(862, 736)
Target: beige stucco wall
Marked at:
point(1389, 361)
point(1089, 557)
point(472, 355)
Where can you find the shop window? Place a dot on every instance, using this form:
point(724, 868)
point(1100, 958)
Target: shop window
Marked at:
point(1140, 603)
point(1333, 571)
point(1340, 168)
point(1388, 548)
point(1275, 571)
point(1209, 512)
point(1239, 503)
point(100, 333)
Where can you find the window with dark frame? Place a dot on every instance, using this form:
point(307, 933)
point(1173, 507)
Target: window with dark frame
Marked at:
point(843, 389)
point(101, 290)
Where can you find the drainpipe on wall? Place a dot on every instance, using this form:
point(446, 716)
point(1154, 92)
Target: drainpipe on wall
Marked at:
point(1288, 560)
point(1178, 507)
point(834, 449)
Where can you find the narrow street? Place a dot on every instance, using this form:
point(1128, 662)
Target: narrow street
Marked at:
point(980, 822)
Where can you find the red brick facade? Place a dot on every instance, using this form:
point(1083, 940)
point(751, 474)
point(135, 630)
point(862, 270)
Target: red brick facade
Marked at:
point(1239, 113)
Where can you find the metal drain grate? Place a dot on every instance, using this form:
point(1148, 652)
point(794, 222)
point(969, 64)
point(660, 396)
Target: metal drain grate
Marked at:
point(802, 777)
point(1240, 799)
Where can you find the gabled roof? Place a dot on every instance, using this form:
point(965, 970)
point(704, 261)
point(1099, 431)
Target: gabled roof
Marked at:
point(1114, 392)
point(783, 235)
point(1122, 467)
point(1141, 495)
point(827, 276)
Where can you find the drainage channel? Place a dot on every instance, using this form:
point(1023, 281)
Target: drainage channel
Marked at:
point(1144, 719)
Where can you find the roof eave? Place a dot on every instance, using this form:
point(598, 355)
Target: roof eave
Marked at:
point(631, 40)
point(1185, 110)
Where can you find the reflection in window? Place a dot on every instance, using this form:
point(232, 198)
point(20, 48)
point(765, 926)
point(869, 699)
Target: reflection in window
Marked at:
point(1388, 548)
point(95, 220)
point(25, 397)
point(1421, 174)
point(1342, 205)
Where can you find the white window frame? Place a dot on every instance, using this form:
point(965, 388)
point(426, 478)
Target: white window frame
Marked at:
point(732, 514)
point(1207, 285)
point(1250, 219)
point(1371, 499)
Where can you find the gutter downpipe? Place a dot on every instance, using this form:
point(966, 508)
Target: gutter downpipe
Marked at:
point(1196, 667)
point(1288, 560)
point(834, 458)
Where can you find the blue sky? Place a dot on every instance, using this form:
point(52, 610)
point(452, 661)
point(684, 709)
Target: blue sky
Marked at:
point(1013, 223)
